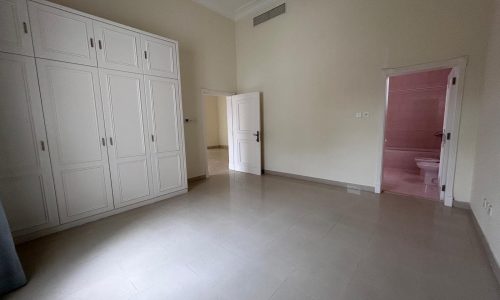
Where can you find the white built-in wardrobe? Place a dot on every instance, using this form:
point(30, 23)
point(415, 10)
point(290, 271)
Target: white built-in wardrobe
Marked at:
point(90, 117)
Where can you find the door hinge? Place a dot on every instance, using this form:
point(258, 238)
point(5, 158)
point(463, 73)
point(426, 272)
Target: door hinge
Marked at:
point(454, 81)
point(443, 188)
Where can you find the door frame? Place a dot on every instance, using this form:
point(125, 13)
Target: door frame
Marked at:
point(453, 111)
point(214, 93)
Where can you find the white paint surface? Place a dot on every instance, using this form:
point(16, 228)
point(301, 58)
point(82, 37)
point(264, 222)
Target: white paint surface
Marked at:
point(487, 167)
point(321, 62)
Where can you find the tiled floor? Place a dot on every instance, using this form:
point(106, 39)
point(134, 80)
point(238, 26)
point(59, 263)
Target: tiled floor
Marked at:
point(218, 161)
point(403, 182)
point(238, 236)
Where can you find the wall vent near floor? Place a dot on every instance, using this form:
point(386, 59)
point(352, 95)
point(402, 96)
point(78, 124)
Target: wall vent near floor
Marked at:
point(268, 15)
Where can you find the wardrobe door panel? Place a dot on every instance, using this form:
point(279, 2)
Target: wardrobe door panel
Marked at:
point(160, 57)
point(61, 35)
point(167, 150)
point(75, 127)
point(118, 48)
point(127, 129)
point(26, 185)
point(15, 35)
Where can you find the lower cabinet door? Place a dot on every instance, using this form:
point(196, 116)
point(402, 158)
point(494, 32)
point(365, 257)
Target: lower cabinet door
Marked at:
point(167, 138)
point(26, 185)
point(128, 136)
point(77, 139)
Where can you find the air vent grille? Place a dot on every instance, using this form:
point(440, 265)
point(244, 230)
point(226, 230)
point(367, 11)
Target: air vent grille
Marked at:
point(268, 15)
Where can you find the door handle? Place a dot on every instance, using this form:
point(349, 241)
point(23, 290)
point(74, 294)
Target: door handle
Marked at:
point(257, 135)
point(91, 43)
point(103, 140)
point(25, 27)
point(111, 141)
point(100, 44)
point(42, 144)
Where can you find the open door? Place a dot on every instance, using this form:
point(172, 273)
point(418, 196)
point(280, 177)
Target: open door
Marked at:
point(451, 94)
point(245, 133)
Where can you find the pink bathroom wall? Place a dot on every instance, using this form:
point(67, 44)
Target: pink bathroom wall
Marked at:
point(415, 115)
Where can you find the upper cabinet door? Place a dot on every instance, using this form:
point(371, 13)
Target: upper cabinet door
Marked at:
point(75, 128)
point(26, 185)
point(63, 36)
point(117, 48)
point(15, 36)
point(160, 57)
point(128, 135)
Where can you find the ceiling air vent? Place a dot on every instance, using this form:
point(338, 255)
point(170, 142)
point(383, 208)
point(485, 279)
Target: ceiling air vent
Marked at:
point(268, 15)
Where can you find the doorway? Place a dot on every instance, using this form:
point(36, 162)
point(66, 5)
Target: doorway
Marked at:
point(420, 136)
point(215, 131)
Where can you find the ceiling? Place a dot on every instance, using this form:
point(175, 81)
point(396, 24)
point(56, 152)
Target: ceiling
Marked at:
point(236, 9)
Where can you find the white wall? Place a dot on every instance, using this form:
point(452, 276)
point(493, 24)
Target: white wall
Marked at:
point(487, 167)
point(207, 52)
point(322, 61)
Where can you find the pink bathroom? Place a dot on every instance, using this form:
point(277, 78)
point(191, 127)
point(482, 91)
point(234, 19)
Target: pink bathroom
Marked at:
point(415, 114)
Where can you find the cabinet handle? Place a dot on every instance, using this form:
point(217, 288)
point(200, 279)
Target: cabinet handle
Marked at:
point(146, 54)
point(111, 141)
point(100, 44)
point(153, 138)
point(25, 27)
point(42, 144)
point(91, 42)
point(103, 140)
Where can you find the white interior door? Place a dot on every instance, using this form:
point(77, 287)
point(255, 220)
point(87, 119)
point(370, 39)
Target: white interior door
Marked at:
point(117, 48)
point(63, 36)
point(451, 95)
point(126, 126)
point(167, 138)
point(75, 128)
point(160, 57)
point(26, 186)
point(15, 36)
point(246, 133)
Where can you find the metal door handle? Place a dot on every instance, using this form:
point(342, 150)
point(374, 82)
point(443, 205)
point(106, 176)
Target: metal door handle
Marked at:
point(91, 42)
point(111, 141)
point(103, 140)
point(100, 44)
point(258, 136)
point(25, 27)
point(42, 144)
point(152, 138)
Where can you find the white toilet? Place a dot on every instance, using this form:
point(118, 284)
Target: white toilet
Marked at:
point(429, 169)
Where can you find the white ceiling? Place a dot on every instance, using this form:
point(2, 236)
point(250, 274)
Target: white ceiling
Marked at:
point(236, 9)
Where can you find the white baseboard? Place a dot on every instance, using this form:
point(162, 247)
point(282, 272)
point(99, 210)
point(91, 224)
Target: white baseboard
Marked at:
point(324, 181)
point(44, 232)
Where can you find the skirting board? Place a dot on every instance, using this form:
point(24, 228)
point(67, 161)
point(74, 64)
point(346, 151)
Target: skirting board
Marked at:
point(44, 232)
point(324, 181)
point(493, 262)
point(197, 178)
point(460, 204)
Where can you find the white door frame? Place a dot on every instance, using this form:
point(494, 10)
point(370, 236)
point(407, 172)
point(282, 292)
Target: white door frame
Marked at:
point(208, 92)
point(453, 112)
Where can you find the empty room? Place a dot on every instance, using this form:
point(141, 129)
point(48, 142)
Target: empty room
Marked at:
point(250, 149)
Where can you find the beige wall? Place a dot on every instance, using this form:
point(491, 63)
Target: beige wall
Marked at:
point(487, 167)
point(322, 61)
point(222, 114)
point(211, 121)
point(215, 121)
point(207, 51)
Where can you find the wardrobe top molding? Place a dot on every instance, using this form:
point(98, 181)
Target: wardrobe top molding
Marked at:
point(80, 13)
